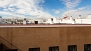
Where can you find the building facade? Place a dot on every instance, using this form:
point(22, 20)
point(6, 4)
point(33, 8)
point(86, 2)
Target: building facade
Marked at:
point(41, 38)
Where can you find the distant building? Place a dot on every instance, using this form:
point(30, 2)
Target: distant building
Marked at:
point(0, 19)
point(53, 20)
point(24, 21)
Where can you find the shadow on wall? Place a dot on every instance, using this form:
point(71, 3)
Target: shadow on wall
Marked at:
point(5, 48)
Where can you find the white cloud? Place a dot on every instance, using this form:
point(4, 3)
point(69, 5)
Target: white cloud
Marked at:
point(11, 14)
point(25, 7)
point(76, 12)
point(56, 11)
point(71, 3)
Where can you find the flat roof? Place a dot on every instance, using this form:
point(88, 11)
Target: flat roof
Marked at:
point(50, 25)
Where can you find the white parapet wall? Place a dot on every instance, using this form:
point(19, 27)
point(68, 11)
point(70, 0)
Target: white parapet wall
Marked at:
point(86, 21)
point(83, 21)
point(67, 21)
point(78, 21)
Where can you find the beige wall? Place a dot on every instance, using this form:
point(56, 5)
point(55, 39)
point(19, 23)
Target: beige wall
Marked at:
point(25, 38)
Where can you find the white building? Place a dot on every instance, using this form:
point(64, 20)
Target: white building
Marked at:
point(65, 20)
point(86, 20)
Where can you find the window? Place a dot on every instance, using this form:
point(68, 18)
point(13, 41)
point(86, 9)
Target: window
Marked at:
point(72, 48)
point(55, 48)
point(87, 47)
point(34, 49)
point(36, 22)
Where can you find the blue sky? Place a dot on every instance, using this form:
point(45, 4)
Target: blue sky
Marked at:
point(44, 8)
point(60, 5)
point(53, 4)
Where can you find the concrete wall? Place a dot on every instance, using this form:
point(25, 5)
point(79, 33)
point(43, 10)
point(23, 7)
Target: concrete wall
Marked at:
point(25, 38)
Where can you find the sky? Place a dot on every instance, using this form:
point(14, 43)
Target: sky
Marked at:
point(44, 8)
